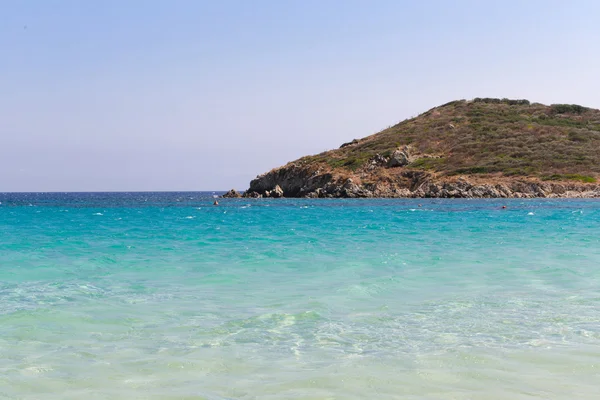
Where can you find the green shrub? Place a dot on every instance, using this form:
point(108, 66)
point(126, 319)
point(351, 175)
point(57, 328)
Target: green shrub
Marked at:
point(578, 137)
point(567, 109)
point(569, 177)
point(510, 102)
point(427, 163)
point(474, 170)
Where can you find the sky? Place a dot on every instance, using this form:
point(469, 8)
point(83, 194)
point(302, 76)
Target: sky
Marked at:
point(206, 95)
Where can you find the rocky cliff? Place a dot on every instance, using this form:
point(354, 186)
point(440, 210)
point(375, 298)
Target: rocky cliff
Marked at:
point(483, 148)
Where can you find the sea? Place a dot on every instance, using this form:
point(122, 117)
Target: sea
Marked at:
point(167, 296)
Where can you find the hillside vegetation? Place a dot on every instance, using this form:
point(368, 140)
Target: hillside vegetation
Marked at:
point(483, 148)
point(486, 136)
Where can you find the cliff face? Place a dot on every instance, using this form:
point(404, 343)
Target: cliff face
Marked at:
point(293, 181)
point(464, 149)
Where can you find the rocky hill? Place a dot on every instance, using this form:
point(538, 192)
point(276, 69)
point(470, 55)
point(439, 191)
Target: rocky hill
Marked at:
point(478, 148)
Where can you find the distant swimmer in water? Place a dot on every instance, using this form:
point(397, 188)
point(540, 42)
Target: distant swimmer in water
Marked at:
point(503, 207)
point(216, 203)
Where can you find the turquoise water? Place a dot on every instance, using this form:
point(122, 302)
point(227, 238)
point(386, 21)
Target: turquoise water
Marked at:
point(164, 296)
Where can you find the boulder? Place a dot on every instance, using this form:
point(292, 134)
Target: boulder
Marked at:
point(275, 193)
point(400, 157)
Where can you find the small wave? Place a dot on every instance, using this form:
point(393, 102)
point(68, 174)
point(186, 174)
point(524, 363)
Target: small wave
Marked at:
point(189, 217)
point(37, 369)
point(98, 214)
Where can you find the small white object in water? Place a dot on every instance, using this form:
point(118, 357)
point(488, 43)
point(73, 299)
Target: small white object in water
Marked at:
point(530, 213)
point(98, 214)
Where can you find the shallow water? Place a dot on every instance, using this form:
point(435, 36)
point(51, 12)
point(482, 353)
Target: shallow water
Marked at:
point(164, 296)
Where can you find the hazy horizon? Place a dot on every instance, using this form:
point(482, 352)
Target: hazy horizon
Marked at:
point(203, 96)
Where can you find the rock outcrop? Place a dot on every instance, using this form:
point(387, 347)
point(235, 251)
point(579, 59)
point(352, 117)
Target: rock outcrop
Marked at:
point(400, 157)
point(355, 141)
point(276, 193)
point(232, 194)
point(289, 181)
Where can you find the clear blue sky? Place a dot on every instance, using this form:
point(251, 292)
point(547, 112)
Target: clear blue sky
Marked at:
point(205, 95)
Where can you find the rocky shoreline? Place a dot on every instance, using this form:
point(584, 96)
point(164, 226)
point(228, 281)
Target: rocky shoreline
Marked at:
point(298, 181)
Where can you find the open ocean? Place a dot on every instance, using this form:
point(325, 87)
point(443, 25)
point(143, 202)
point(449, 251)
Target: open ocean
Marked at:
point(165, 296)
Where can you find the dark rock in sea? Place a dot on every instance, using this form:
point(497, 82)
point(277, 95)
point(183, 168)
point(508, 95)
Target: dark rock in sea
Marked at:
point(232, 194)
point(252, 195)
